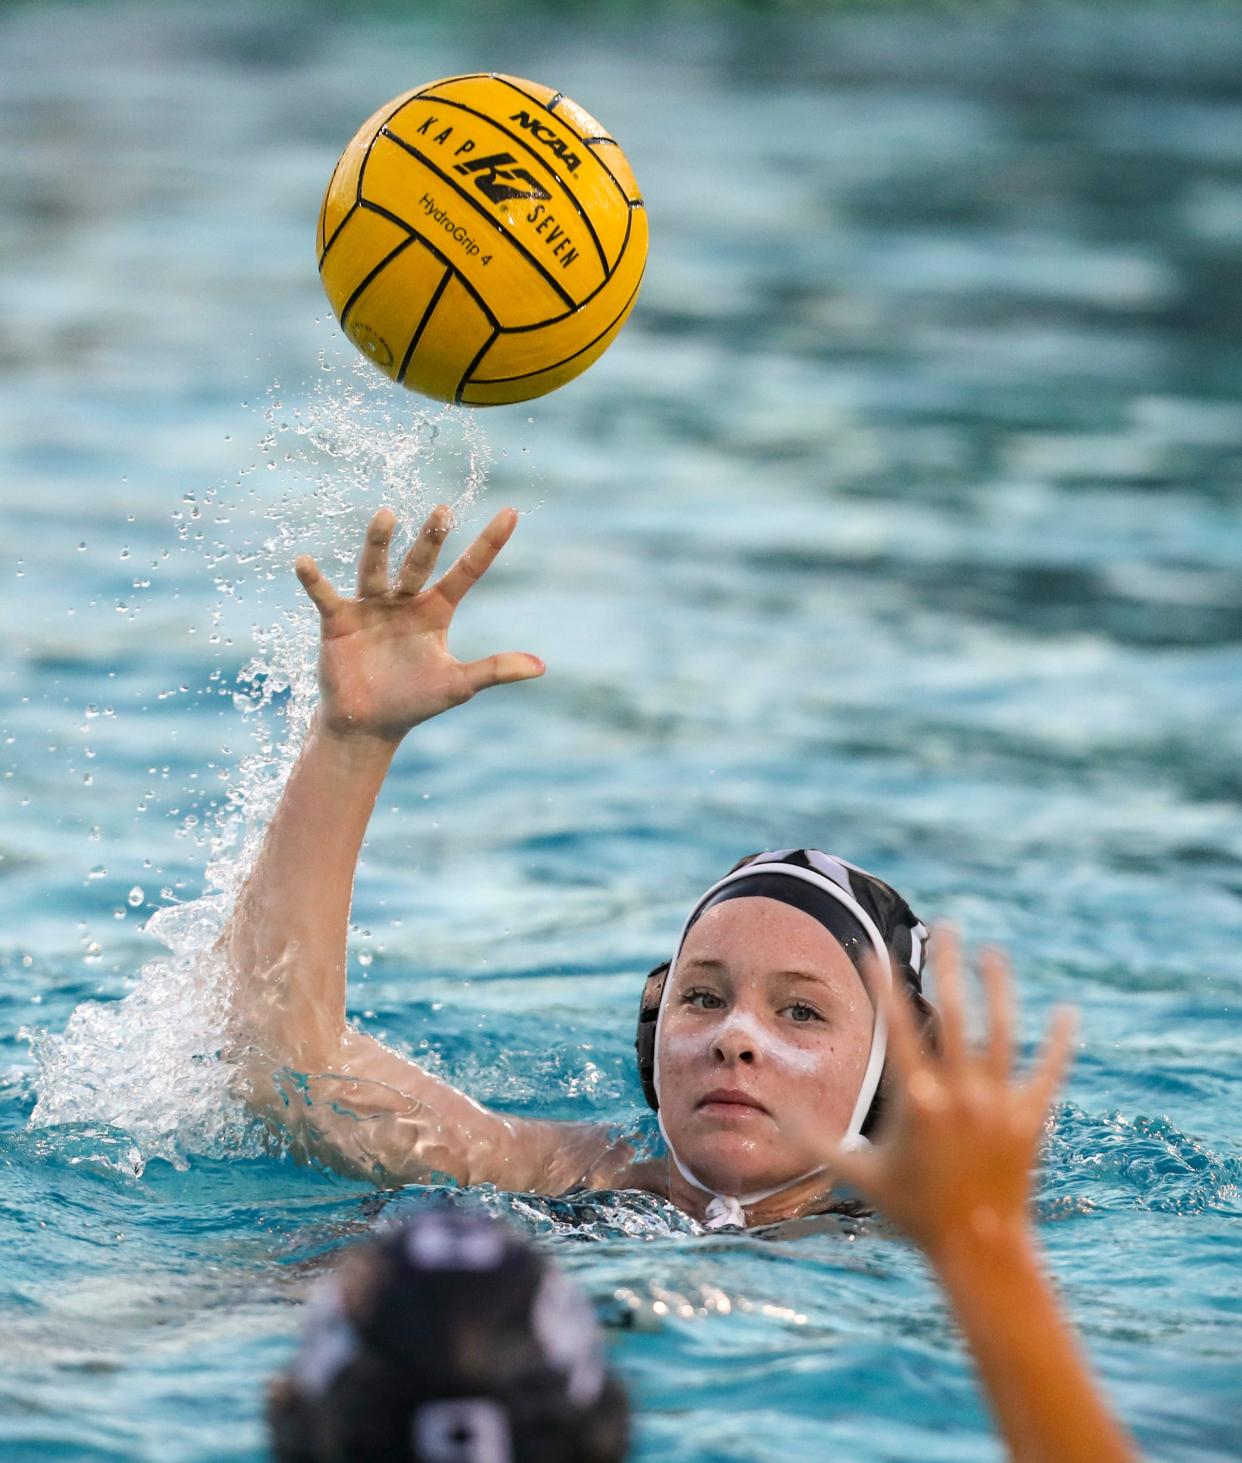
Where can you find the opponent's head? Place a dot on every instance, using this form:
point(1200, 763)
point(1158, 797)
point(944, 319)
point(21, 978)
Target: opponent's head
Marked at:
point(766, 1003)
point(449, 1340)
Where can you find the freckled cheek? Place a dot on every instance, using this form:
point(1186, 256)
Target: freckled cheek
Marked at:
point(682, 1055)
point(681, 1046)
point(837, 1080)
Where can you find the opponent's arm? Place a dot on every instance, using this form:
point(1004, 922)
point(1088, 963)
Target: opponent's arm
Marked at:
point(384, 667)
point(954, 1172)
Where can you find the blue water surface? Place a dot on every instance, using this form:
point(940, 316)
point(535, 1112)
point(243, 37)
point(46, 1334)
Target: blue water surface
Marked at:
point(903, 519)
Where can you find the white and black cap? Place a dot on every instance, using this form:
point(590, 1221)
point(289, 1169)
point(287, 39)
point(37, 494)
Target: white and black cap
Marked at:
point(873, 924)
point(449, 1340)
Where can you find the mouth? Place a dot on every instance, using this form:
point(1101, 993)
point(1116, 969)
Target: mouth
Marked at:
point(729, 1100)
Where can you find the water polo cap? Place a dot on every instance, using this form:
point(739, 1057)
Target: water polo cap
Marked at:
point(449, 1340)
point(867, 917)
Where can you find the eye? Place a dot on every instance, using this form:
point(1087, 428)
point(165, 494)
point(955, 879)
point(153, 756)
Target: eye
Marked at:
point(801, 1013)
point(705, 1000)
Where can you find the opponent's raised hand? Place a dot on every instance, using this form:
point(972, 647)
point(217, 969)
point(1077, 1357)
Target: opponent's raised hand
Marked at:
point(954, 1162)
point(384, 662)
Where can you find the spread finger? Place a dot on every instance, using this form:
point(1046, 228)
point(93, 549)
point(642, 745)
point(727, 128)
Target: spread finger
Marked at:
point(316, 584)
point(994, 973)
point(373, 561)
point(904, 1048)
point(500, 670)
point(417, 566)
point(947, 954)
point(478, 558)
point(1054, 1060)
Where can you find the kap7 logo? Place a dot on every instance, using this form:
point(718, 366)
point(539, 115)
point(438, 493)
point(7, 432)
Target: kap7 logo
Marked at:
point(489, 171)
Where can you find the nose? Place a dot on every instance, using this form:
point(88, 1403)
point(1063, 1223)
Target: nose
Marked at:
point(732, 1044)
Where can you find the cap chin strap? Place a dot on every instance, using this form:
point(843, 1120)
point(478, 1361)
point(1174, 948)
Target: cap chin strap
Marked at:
point(728, 1210)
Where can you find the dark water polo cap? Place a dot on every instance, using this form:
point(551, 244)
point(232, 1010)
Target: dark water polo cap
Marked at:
point(449, 1340)
point(866, 915)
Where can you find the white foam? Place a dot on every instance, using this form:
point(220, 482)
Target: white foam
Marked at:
point(152, 1063)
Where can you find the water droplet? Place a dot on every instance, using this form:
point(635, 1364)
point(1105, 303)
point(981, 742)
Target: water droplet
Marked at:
point(135, 896)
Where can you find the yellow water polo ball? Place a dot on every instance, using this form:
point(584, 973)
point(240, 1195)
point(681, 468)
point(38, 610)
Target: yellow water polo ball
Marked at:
point(482, 239)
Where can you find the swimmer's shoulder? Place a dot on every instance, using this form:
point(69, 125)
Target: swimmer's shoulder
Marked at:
point(650, 1175)
point(621, 1168)
point(622, 1161)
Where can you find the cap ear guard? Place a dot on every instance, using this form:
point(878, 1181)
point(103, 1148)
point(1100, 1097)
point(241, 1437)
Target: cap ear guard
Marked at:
point(644, 1039)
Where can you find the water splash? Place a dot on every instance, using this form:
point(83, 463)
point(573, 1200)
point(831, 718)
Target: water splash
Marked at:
point(1112, 1162)
point(152, 1064)
point(149, 1065)
point(353, 446)
point(577, 1219)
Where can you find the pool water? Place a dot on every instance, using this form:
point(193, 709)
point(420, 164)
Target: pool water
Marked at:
point(903, 519)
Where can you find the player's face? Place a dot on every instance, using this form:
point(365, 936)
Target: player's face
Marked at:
point(763, 1041)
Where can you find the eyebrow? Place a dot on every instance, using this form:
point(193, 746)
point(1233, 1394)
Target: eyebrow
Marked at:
point(803, 975)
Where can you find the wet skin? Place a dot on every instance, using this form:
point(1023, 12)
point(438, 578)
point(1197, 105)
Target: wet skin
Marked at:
point(762, 1046)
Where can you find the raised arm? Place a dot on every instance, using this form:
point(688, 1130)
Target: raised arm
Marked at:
point(954, 1172)
point(384, 667)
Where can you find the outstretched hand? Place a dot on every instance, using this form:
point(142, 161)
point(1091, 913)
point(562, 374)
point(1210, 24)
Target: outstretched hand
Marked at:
point(954, 1162)
point(384, 662)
